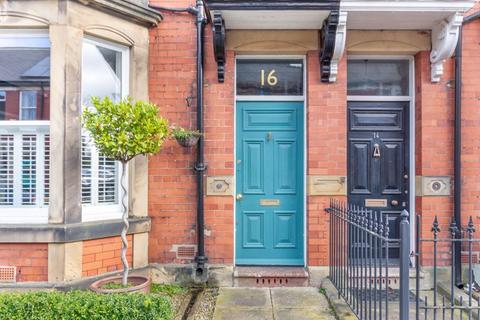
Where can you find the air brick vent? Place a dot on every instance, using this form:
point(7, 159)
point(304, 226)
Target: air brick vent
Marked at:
point(186, 251)
point(8, 274)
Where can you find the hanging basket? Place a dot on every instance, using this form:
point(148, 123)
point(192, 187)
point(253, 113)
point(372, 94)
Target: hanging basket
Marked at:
point(188, 141)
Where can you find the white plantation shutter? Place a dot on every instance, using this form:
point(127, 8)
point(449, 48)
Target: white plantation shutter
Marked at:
point(24, 173)
point(86, 172)
point(46, 166)
point(6, 169)
point(100, 178)
point(107, 180)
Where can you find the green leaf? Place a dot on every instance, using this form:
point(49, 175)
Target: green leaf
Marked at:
point(124, 130)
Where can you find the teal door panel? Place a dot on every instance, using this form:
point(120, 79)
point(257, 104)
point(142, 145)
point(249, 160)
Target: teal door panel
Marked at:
point(270, 168)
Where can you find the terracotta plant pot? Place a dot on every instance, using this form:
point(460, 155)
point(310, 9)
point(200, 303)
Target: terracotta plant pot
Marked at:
point(140, 284)
point(189, 141)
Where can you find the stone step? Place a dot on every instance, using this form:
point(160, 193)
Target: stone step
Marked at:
point(270, 277)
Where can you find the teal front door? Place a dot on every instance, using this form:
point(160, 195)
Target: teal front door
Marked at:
point(269, 183)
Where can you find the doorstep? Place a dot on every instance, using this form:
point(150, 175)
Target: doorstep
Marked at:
point(270, 276)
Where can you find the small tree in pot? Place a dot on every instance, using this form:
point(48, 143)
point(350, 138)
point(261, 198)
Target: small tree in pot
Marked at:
point(121, 131)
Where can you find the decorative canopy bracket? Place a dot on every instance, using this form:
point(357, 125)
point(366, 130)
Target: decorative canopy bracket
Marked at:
point(219, 45)
point(333, 39)
point(444, 41)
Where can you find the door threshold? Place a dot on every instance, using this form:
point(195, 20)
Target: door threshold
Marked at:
point(270, 276)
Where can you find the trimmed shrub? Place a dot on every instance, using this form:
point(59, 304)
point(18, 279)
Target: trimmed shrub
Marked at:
point(83, 305)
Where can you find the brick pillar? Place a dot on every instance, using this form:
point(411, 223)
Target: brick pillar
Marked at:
point(326, 149)
point(434, 134)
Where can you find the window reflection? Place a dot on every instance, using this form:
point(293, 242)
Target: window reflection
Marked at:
point(24, 81)
point(102, 73)
point(378, 77)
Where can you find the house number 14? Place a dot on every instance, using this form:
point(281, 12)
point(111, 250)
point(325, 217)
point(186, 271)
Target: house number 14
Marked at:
point(272, 79)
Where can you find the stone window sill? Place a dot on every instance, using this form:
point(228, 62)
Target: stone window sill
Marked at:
point(61, 233)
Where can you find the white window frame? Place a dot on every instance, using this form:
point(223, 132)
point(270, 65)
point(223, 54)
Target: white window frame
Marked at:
point(21, 107)
point(98, 212)
point(17, 213)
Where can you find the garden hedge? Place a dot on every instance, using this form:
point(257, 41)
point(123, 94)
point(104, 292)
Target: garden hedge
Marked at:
point(83, 305)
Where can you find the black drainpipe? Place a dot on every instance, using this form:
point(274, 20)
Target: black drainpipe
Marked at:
point(200, 166)
point(201, 259)
point(458, 149)
point(458, 159)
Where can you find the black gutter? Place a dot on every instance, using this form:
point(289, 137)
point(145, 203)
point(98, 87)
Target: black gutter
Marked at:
point(458, 149)
point(272, 5)
point(200, 166)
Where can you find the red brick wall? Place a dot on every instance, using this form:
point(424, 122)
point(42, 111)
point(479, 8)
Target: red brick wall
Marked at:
point(103, 255)
point(31, 260)
point(327, 149)
point(434, 110)
point(471, 123)
point(12, 105)
point(172, 180)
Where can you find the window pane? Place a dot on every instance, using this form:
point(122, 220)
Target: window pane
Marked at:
point(267, 78)
point(24, 95)
point(101, 77)
point(378, 78)
point(101, 73)
point(24, 80)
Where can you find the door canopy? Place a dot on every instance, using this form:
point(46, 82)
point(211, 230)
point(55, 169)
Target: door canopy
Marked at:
point(441, 18)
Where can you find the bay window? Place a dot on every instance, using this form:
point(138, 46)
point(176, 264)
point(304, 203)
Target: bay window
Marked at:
point(24, 126)
point(104, 74)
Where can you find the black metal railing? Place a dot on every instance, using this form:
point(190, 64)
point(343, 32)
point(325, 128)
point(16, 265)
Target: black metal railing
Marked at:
point(445, 300)
point(361, 265)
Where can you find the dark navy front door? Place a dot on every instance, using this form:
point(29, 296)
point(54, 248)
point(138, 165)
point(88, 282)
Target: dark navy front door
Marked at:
point(269, 183)
point(378, 161)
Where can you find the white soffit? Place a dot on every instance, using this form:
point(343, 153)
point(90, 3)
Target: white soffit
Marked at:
point(401, 14)
point(271, 20)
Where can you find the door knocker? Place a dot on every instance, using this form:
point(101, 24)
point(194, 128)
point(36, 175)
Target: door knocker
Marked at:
point(269, 136)
point(376, 151)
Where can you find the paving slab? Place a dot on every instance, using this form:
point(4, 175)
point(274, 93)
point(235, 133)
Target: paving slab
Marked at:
point(302, 314)
point(243, 314)
point(298, 298)
point(244, 298)
point(271, 304)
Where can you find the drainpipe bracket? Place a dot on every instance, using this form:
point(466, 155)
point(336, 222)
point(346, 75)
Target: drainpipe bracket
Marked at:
point(200, 167)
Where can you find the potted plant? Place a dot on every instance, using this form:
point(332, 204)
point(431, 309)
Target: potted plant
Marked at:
point(185, 137)
point(121, 131)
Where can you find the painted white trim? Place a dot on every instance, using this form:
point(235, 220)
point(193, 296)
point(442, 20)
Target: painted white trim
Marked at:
point(305, 137)
point(444, 42)
point(378, 98)
point(99, 212)
point(412, 131)
point(339, 48)
point(270, 98)
point(410, 6)
point(24, 38)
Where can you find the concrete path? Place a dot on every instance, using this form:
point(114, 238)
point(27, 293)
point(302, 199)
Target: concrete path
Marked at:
point(271, 304)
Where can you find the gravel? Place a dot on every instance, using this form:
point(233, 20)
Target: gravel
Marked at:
point(205, 305)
